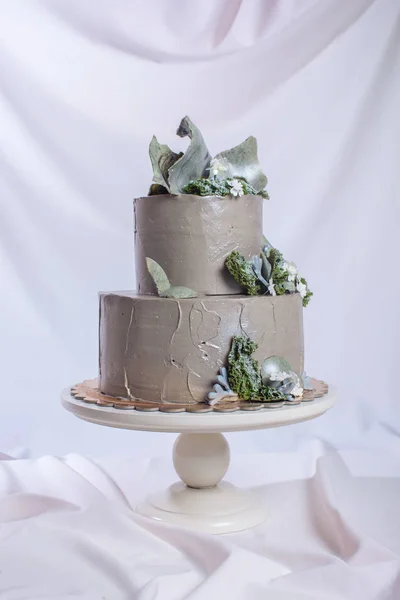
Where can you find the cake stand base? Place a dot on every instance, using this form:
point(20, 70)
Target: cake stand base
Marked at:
point(201, 502)
point(222, 509)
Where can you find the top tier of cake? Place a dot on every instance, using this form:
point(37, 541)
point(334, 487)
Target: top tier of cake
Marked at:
point(191, 236)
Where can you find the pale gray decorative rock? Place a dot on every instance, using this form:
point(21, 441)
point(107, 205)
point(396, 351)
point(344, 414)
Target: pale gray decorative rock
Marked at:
point(273, 365)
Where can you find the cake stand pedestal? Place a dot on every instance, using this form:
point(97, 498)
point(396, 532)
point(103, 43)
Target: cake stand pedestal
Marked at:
point(201, 500)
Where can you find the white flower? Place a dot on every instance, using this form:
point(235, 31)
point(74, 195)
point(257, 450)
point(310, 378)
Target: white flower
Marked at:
point(236, 187)
point(280, 376)
point(271, 287)
point(292, 270)
point(218, 166)
point(297, 391)
point(301, 288)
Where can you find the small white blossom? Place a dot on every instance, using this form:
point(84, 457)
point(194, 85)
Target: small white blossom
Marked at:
point(236, 188)
point(280, 376)
point(292, 270)
point(301, 288)
point(218, 166)
point(271, 287)
point(297, 391)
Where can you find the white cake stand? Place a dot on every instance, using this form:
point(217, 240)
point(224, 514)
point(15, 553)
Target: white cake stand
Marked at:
point(201, 455)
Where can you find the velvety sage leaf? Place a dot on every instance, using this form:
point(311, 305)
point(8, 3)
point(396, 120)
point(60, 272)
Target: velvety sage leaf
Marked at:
point(195, 161)
point(243, 162)
point(162, 158)
point(179, 291)
point(159, 276)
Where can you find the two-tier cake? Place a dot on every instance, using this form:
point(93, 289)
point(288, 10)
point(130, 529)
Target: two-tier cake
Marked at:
point(216, 322)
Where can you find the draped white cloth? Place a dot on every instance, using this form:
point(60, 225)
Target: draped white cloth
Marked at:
point(332, 532)
point(83, 86)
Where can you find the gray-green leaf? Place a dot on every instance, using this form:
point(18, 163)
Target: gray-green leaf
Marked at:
point(194, 162)
point(162, 158)
point(179, 291)
point(164, 288)
point(243, 162)
point(159, 276)
point(257, 268)
point(266, 268)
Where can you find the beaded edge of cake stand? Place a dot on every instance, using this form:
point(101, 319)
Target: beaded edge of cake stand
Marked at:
point(87, 391)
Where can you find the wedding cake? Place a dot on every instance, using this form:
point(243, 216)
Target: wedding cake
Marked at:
point(217, 318)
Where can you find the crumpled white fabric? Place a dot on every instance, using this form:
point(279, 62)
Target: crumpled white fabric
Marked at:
point(68, 531)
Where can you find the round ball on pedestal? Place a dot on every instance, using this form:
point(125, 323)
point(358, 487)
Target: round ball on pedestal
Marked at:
point(201, 459)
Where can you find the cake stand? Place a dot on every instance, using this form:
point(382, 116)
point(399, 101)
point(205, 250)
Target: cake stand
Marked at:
point(201, 500)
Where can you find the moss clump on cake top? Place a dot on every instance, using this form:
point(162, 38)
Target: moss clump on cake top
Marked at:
point(233, 172)
point(267, 274)
point(227, 187)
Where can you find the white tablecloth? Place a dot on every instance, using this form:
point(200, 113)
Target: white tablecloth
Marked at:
point(333, 530)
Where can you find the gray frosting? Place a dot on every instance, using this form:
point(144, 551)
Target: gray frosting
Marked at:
point(191, 236)
point(170, 350)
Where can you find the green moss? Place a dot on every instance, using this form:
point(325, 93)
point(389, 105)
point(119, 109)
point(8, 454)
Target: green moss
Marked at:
point(243, 371)
point(243, 273)
point(215, 187)
point(279, 276)
point(206, 187)
point(269, 394)
point(264, 194)
point(244, 374)
point(309, 293)
point(278, 273)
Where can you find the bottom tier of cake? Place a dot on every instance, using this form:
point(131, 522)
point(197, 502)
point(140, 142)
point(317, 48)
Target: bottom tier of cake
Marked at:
point(169, 350)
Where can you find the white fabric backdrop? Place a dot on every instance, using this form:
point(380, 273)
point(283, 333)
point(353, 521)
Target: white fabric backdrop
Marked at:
point(84, 85)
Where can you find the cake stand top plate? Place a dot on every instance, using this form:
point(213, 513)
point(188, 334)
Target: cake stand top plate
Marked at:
point(197, 423)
